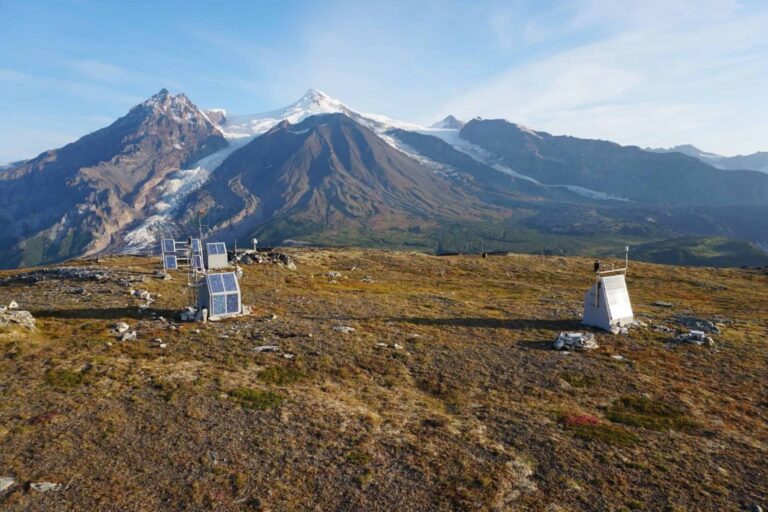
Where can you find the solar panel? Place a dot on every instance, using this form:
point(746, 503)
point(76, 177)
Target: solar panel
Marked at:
point(170, 262)
point(215, 283)
point(230, 282)
point(169, 245)
point(213, 248)
point(233, 303)
point(197, 246)
point(219, 305)
point(197, 262)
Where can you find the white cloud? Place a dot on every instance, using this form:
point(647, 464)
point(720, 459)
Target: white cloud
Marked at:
point(668, 75)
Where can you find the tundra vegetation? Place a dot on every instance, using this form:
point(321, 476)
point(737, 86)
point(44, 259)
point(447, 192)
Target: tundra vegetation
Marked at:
point(445, 396)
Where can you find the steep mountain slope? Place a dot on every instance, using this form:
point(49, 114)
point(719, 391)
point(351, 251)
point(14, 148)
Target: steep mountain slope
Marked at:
point(626, 171)
point(329, 174)
point(70, 201)
point(753, 162)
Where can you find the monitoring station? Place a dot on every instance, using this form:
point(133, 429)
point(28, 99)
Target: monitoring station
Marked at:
point(216, 255)
point(606, 303)
point(216, 294)
point(220, 295)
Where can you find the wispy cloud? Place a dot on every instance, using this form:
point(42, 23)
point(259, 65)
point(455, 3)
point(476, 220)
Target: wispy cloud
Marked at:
point(104, 72)
point(669, 74)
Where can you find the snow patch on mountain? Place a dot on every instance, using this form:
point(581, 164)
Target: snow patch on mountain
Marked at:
point(453, 138)
point(172, 193)
point(313, 103)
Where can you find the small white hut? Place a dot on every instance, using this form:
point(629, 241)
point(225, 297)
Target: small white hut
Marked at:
point(606, 303)
point(216, 255)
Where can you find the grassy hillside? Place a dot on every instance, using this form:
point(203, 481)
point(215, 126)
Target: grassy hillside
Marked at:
point(472, 412)
point(713, 252)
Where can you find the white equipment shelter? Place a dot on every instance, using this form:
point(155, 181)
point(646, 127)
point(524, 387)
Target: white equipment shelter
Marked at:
point(220, 294)
point(216, 253)
point(606, 303)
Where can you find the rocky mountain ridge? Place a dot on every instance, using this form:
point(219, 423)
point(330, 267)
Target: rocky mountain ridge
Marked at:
point(321, 172)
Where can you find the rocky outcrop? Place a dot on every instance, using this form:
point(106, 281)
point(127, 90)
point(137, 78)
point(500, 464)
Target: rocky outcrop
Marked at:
point(72, 200)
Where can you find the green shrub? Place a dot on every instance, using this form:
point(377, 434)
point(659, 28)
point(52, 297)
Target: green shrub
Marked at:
point(63, 379)
point(279, 375)
point(255, 398)
point(645, 413)
point(578, 380)
point(604, 433)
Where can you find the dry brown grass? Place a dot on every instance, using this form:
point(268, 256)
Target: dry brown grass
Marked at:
point(466, 415)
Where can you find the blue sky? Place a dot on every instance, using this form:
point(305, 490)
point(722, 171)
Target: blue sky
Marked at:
point(651, 73)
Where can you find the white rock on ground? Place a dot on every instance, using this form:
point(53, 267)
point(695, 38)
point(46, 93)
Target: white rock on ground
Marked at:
point(575, 341)
point(13, 305)
point(17, 317)
point(5, 483)
point(344, 329)
point(45, 486)
point(121, 327)
point(267, 348)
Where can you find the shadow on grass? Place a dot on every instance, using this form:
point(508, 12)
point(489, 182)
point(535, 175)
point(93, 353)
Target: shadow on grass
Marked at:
point(104, 313)
point(495, 323)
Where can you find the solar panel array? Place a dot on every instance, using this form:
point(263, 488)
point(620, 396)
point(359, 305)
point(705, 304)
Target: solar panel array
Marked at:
point(177, 254)
point(217, 248)
point(197, 262)
point(224, 293)
point(170, 262)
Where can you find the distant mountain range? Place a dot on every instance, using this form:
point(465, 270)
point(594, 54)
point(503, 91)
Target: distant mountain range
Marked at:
point(320, 172)
point(754, 162)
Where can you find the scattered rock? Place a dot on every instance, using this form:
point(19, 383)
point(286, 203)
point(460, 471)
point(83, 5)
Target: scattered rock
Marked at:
point(142, 294)
point(397, 347)
point(344, 329)
point(189, 314)
point(65, 273)
point(575, 341)
point(13, 305)
point(699, 324)
point(289, 356)
point(17, 317)
point(250, 257)
point(45, 486)
point(695, 337)
point(267, 348)
point(334, 275)
point(662, 304)
point(381, 345)
point(617, 357)
point(5, 483)
point(121, 327)
point(367, 279)
point(128, 336)
point(663, 328)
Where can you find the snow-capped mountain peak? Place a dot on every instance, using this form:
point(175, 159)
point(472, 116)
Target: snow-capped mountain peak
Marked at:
point(448, 123)
point(312, 103)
